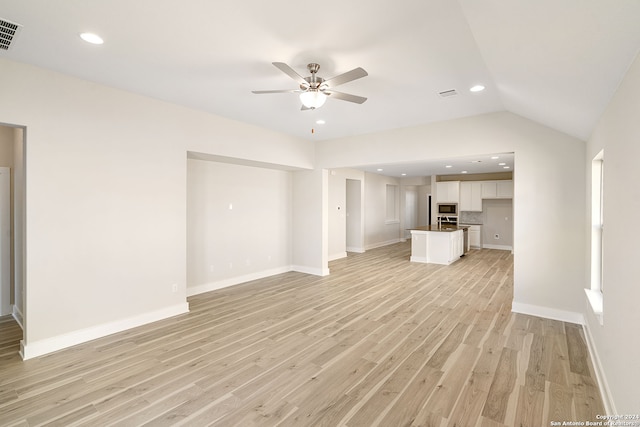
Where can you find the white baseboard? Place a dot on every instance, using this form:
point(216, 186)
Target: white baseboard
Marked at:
point(499, 247)
point(310, 270)
point(357, 250)
point(337, 256)
point(603, 385)
point(548, 313)
point(225, 283)
point(381, 244)
point(49, 345)
point(17, 314)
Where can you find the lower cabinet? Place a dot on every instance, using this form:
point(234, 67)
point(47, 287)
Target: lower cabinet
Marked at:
point(475, 236)
point(457, 245)
point(436, 247)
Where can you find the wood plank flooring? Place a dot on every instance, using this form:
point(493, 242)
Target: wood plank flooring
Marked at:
point(379, 342)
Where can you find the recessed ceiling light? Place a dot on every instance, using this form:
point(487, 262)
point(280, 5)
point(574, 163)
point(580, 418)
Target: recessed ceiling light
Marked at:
point(91, 38)
point(476, 161)
point(404, 174)
point(501, 164)
point(477, 88)
point(495, 157)
point(379, 169)
point(320, 122)
point(463, 172)
point(505, 167)
point(448, 166)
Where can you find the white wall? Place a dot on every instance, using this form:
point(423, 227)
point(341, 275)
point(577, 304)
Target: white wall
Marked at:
point(423, 204)
point(355, 215)
point(549, 262)
point(377, 231)
point(615, 342)
point(106, 175)
point(497, 220)
point(310, 225)
point(238, 224)
point(337, 215)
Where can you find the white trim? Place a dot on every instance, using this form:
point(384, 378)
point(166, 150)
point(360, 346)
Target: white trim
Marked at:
point(596, 303)
point(547, 313)
point(603, 385)
point(309, 270)
point(422, 259)
point(17, 315)
point(338, 256)
point(499, 247)
point(381, 244)
point(49, 345)
point(357, 250)
point(225, 283)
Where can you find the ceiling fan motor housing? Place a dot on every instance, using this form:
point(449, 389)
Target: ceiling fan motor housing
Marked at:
point(315, 89)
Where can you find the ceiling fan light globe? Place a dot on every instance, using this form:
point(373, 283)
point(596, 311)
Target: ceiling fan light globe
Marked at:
point(313, 99)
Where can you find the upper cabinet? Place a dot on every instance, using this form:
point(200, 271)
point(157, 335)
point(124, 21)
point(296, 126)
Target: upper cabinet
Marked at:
point(497, 189)
point(471, 196)
point(505, 189)
point(448, 192)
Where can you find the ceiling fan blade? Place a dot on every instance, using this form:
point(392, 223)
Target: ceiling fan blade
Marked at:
point(291, 73)
point(304, 107)
point(346, 96)
point(354, 74)
point(277, 91)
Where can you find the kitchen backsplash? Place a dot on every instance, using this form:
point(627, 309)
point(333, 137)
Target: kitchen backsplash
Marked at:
point(467, 217)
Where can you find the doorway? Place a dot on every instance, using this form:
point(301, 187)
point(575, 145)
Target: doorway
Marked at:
point(12, 222)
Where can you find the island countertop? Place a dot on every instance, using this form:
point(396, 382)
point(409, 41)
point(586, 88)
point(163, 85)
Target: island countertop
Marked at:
point(440, 228)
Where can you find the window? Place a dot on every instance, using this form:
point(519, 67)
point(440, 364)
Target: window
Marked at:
point(393, 203)
point(595, 294)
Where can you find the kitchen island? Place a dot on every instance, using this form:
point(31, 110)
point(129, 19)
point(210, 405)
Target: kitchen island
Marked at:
point(437, 244)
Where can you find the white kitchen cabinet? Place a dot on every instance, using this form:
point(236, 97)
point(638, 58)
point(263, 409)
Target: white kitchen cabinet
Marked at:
point(489, 190)
point(457, 244)
point(471, 196)
point(448, 192)
point(475, 236)
point(497, 189)
point(436, 247)
point(504, 189)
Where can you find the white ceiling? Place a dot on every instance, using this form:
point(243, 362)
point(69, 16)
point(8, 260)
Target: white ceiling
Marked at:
point(557, 62)
point(498, 162)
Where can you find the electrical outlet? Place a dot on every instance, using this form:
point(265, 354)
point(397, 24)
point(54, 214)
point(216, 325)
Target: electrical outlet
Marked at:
point(212, 268)
point(496, 236)
point(174, 288)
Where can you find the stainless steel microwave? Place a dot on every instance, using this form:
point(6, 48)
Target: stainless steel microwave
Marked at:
point(448, 209)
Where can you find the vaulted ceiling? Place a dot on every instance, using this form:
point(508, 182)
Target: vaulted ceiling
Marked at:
point(557, 62)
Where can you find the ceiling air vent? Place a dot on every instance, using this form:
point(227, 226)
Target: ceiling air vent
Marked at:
point(8, 31)
point(448, 93)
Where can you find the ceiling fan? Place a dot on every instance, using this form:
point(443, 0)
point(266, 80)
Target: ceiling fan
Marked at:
point(314, 90)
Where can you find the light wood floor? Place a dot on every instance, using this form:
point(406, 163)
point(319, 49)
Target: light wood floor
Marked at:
point(381, 341)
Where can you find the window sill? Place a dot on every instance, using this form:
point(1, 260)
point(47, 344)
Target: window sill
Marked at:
point(595, 301)
point(392, 221)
